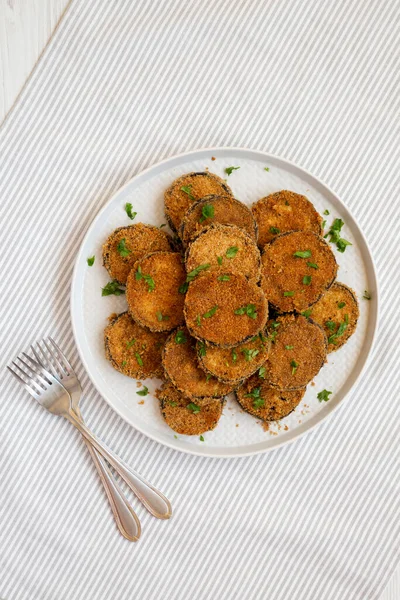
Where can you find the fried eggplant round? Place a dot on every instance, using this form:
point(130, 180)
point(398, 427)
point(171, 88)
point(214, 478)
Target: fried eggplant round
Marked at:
point(225, 312)
point(182, 368)
point(132, 349)
point(184, 415)
point(257, 397)
point(337, 312)
point(298, 351)
point(224, 210)
point(285, 211)
point(152, 291)
point(233, 365)
point(186, 190)
point(225, 248)
point(127, 244)
point(297, 268)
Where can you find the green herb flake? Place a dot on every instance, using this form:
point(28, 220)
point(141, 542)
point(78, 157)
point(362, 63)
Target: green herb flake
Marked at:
point(249, 310)
point(250, 354)
point(258, 403)
point(124, 363)
point(130, 344)
point(367, 295)
point(219, 259)
point(180, 337)
point(234, 355)
point(275, 324)
point(229, 170)
point(262, 372)
point(211, 312)
point(255, 393)
point(330, 325)
point(122, 249)
point(183, 288)
point(288, 294)
point(187, 189)
point(162, 225)
point(112, 288)
point(201, 438)
point(266, 169)
point(139, 359)
point(341, 304)
point(161, 317)
point(340, 330)
point(143, 392)
point(302, 254)
point(207, 212)
point(289, 347)
point(312, 265)
point(198, 321)
point(324, 395)
point(274, 230)
point(307, 279)
point(202, 349)
point(194, 408)
point(172, 403)
point(294, 366)
point(90, 261)
point(323, 224)
point(193, 274)
point(231, 252)
point(342, 244)
point(208, 377)
point(147, 278)
point(326, 212)
point(128, 210)
point(175, 436)
point(223, 278)
point(307, 313)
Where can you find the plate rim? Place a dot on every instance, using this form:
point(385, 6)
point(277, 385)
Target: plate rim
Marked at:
point(204, 451)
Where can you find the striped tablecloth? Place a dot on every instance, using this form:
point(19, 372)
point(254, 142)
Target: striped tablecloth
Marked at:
point(122, 85)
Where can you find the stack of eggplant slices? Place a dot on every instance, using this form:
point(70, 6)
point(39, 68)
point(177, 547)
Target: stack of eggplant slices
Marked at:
point(240, 300)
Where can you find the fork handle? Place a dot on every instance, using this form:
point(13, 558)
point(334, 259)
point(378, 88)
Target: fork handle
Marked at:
point(155, 502)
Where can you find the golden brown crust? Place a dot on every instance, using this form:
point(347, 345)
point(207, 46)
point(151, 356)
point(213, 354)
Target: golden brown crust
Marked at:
point(160, 309)
point(185, 416)
point(216, 243)
point(233, 365)
point(183, 370)
point(221, 326)
point(285, 211)
point(198, 185)
point(227, 211)
point(258, 398)
point(283, 273)
point(140, 239)
point(132, 349)
point(329, 310)
point(298, 351)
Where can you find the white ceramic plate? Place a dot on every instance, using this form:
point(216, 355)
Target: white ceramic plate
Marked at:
point(237, 433)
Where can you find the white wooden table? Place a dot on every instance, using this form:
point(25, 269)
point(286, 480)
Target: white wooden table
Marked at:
point(25, 28)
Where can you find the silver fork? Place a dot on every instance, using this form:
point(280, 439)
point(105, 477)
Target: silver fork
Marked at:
point(58, 364)
point(52, 395)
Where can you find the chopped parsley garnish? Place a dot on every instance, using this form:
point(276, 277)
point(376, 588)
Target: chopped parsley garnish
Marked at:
point(211, 312)
point(175, 436)
point(288, 294)
point(324, 395)
point(330, 325)
point(139, 359)
point(193, 274)
point(249, 310)
point(312, 265)
point(275, 324)
point(194, 408)
point(340, 330)
point(90, 261)
point(341, 304)
point(198, 320)
point(207, 212)
point(180, 337)
point(161, 317)
point(261, 372)
point(183, 288)
point(188, 190)
point(128, 210)
point(124, 363)
point(202, 349)
point(112, 288)
point(258, 403)
point(122, 249)
point(302, 254)
point(255, 393)
point(229, 170)
point(163, 225)
point(231, 252)
point(326, 212)
point(367, 295)
point(143, 392)
point(342, 243)
point(172, 403)
point(219, 259)
point(130, 344)
point(147, 278)
point(208, 377)
point(323, 224)
point(274, 230)
point(307, 313)
point(289, 347)
point(335, 238)
point(294, 366)
point(250, 354)
point(223, 278)
point(201, 438)
point(266, 169)
point(234, 355)
point(307, 279)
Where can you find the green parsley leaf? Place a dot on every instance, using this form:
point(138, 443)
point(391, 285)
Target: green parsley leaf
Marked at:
point(302, 254)
point(231, 252)
point(255, 393)
point(208, 377)
point(202, 349)
point(124, 363)
point(367, 295)
point(128, 210)
point(341, 304)
point(274, 230)
point(180, 337)
point(90, 261)
point(249, 354)
point(139, 359)
point(122, 249)
point(307, 279)
point(198, 320)
point(223, 278)
point(161, 317)
point(162, 225)
point(288, 294)
point(211, 312)
point(229, 170)
point(289, 347)
point(324, 395)
point(172, 403)
point(175, 436)
point(234, 355)
point(112, 288)
point(294, 366)
point(312, 265)
point(330, 325)
point(275, 324)
point(207, 212)
point(342, 244)
point(258, 403)
point(249, 310)
point(261, 372)
point(194, 408)
point(130, 344)
point(219, 259)
point(183, 288)
point(266, 168)
point(307, 313)
point(143, 392)
point(337, 225)
point(187, 189)
point(323, 224)
point(326, 212)
point(193, 274)
point(340, 330)
point(201, 438)
point(147, 278)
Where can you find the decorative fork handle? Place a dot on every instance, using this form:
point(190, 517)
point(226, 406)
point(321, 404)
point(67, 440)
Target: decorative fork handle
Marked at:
point(155, 502)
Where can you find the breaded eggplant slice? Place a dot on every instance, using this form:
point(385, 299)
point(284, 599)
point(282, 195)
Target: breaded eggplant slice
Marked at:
point(225, 313)
point(152, 291)
point(184, 415)
point(225, 248)
point(297, 268)
point(186, 190)
point(298, 351)
point(257, 397)
point(182, 368)
point(285, 211)
point(127, 244)
point(132, 349)
point(224, 210)
point(337, 312)
point(233, 365)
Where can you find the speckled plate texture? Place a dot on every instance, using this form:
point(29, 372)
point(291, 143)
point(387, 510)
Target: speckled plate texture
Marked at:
point(237, 434)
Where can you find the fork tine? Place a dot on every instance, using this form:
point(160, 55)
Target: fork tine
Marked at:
point(25, 385)
point(65, 360)
point(44, 361)
point(54, 358)
point(28, 378)
point(41, 373)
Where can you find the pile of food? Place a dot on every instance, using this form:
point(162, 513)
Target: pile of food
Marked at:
point(239, 300)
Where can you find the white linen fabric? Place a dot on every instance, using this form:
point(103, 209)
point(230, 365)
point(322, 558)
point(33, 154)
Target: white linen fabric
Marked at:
point(120, 86)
